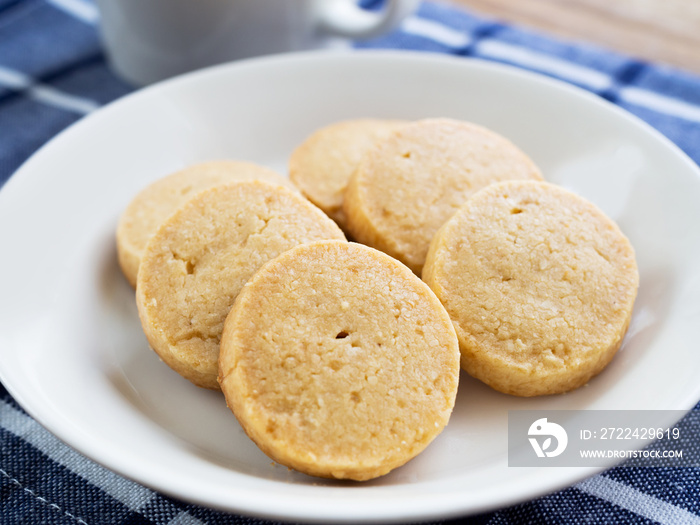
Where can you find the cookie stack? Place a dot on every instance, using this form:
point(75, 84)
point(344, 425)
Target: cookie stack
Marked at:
point(336, 357)
point(538, 282)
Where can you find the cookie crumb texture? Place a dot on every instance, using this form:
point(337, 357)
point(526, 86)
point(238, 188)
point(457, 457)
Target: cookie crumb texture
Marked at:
point(339, 362)
point(540, 285)
point(199, 259)
point(322, 165)
point(159, 200)
point(409, 184)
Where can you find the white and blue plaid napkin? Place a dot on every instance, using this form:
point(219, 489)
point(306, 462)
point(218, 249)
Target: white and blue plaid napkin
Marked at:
point(53, 72)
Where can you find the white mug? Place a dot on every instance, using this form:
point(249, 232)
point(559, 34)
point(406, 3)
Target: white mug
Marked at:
point(150, 40)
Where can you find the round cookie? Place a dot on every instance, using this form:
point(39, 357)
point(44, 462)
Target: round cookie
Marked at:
point(539, 283)
point(322, 165)
point(157, 201)
point(408, 185)
point(201, 256)
point(338, 361)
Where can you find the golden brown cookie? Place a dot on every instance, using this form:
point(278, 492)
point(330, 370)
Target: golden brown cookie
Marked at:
point(157, 201)
point(539, 283)
point(338, 361)
point(408, 185)
point(201, 256)
point(321, 166)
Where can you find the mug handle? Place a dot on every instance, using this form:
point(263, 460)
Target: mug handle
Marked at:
point(346, 18)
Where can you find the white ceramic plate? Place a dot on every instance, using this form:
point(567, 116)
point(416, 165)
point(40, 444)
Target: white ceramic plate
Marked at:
point(72, 350)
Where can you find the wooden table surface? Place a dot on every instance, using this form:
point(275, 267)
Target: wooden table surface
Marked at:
point(662, 31)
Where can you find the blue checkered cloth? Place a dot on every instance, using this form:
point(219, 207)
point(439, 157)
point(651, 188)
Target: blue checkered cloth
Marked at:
point(53, 72)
